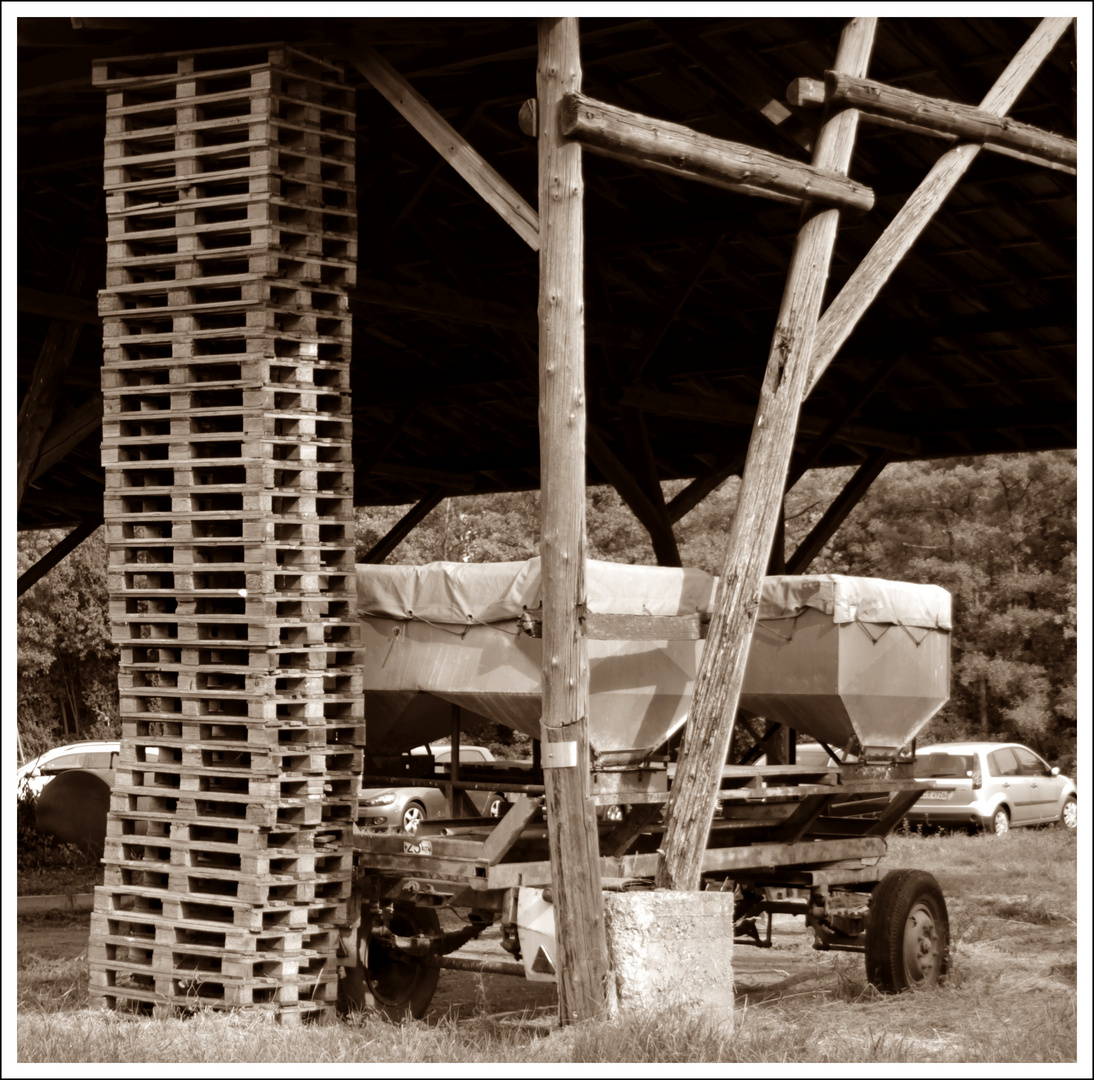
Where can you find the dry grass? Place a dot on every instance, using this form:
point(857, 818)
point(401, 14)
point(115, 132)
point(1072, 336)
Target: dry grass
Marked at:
point(1011, 997)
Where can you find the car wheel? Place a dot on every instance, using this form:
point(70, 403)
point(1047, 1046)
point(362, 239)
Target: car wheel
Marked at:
point(413, 816)
point(1000, 821)
point(494, 806)
point(1069, 815)
point(908, 933)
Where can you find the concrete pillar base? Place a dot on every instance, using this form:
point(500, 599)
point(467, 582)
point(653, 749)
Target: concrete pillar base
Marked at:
point(672, 949)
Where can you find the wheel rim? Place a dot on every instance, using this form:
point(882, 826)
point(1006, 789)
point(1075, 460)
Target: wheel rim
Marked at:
point(1001, 822)
point(1071, 814)
point(923, 948)
point(391, 975)
point(413, 816)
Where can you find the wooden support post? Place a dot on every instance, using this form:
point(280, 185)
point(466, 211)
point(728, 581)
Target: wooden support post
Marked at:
point(673, 148)
point(837, 513)
point(868, 279)
point(690, 808)
point(448, 142)
point(584, 987)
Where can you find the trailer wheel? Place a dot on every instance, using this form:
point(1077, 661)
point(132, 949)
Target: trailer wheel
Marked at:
point(402, 985)
point(908, 934)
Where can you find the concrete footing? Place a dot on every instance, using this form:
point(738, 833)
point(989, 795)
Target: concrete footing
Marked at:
point(672, 949)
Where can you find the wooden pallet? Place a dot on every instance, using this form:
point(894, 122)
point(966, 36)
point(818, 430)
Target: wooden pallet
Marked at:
point(227, 451)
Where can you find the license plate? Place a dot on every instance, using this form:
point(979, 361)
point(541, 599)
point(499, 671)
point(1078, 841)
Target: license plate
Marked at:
point(419, 847)
point(936, 795)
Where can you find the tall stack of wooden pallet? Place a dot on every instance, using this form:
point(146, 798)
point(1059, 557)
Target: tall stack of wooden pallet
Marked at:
point(227, 448)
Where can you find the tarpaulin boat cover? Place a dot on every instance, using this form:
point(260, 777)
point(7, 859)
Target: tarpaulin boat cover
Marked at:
point(462, 593)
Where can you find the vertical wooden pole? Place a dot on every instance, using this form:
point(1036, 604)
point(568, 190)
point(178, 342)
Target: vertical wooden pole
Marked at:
point(582, 961)
point(690, 808)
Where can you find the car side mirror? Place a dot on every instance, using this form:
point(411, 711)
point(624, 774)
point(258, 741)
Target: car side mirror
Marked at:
point(1055, 771)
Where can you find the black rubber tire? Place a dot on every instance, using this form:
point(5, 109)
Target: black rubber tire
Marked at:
point(908, 933)
point(413, 816)
point(1069, 820)
point(1000, 821)
point(402, 985)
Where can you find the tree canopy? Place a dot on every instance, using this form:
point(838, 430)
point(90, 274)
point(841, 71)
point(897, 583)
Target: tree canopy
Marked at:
point(999, 533)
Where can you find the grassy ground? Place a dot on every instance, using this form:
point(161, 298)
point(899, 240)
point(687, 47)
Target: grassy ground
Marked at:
point(1010, 996)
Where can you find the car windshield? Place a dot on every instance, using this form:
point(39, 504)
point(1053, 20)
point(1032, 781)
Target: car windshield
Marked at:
point(943, 766)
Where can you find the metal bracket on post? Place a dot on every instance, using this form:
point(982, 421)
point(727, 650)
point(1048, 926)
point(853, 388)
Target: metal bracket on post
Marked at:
point(559, 755)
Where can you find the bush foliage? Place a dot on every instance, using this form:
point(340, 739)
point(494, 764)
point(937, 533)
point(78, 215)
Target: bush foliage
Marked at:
point(998, 532)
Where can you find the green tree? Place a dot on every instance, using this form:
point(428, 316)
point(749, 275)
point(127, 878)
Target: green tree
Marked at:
point(1000, 534)
point(67, 665)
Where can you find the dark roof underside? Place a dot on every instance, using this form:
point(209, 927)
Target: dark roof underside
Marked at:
point(683, 281)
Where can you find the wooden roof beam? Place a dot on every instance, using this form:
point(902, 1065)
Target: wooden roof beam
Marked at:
point(66, 436)
point(837, 513)
point(437, 302)
point(909, 111)
point(52, 557)
point(715, 410)
point(68, 308)
point(677, 149)
point(1011, 417)
point(709, 480)
point(875, 269)
point(448, 142)
point(402, 528)
point(810, 454)
point(36, 409)
point(652, 517)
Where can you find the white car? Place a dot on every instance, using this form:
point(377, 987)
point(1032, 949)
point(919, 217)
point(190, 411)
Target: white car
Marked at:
point(991, 786)
point(89, 756)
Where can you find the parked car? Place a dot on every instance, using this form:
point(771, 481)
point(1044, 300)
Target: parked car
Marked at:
point(991, 786)
point(98, 757)
point(405, 808)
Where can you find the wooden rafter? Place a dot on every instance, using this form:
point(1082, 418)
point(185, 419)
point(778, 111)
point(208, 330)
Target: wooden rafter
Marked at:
point(64, 547)
point(883, 258)
point(448, 142)
point(837, 513)
point(714, 410)
point(707, 481)
point(66, 436)
point(36, 409)
point(402, 528)
point(645, 506)
point(810, 454)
